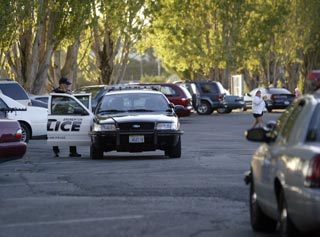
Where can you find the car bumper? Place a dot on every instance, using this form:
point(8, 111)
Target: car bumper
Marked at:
point(12, 151)
point(235, 105)
point(278, 105)
point(119, 141)
point(186, 112)
point(304, 208)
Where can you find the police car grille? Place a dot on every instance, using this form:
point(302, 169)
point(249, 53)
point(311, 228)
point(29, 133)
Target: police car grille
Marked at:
point(136, 126)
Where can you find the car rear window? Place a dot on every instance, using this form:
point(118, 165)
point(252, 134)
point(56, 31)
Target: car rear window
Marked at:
point(209, 88)
point(279, 91)
point(314, 128)
point(168, 90)
point(185, 90)
point(14, 91)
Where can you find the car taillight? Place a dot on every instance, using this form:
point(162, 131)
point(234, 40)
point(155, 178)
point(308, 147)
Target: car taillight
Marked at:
point(219, 97)
point(313, 173)
point(18, 134)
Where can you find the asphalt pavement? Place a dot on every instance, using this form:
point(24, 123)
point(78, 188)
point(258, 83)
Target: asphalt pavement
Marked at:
point(135, 194)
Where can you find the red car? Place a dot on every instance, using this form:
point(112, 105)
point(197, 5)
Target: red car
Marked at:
point(178, 96)
point(11, 146)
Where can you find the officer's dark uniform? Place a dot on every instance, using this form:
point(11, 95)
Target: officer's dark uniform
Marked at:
point(72, 149)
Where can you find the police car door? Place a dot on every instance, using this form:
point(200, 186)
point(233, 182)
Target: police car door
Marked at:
point(85, 99)
point(69, 121)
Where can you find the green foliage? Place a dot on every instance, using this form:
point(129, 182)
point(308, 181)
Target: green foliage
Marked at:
point(153, 79)
point(12, 13)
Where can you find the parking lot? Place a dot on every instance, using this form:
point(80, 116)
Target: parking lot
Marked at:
point(135, 194)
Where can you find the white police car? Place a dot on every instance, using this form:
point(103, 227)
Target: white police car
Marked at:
point(127, 121)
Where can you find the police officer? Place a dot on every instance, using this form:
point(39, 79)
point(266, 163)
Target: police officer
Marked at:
point(64, 83)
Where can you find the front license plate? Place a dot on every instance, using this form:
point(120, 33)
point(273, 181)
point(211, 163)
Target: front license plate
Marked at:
point(286, 103)
point(136, 139)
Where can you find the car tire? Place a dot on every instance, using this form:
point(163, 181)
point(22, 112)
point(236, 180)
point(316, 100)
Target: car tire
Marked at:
point(26, 132)
point(286, 226)
point(244, 109)
point(269, 110)
point(224, 110)
point(260, 222)
point(204, 108)
point(95, 153)
point(174, 152)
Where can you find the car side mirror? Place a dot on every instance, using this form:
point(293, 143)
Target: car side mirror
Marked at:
point(258, 135)
point(178, 109)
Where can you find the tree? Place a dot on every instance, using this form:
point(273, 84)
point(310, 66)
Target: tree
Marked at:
point(49, 23)
point(116, 26)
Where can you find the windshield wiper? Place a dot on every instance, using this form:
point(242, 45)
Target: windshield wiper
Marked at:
point(111, 111)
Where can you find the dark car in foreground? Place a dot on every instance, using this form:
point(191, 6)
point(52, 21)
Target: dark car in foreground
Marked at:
point(134, 120)
point(284, 174)
point(277, 98)
point(11, 146)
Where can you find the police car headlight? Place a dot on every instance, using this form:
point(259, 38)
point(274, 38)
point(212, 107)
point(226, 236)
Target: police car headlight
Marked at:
point(168, 126)
point(104, 127)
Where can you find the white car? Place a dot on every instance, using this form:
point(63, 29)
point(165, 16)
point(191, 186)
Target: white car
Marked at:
point(284, 173)
point(15, 91)
point(33, 120)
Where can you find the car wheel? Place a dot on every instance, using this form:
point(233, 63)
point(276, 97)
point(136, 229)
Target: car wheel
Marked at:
point(286, 227)
point(224, 110)
point(95, 154)
point(269, 110)
point(26, 132)
point(221, 110)
point(174, 152)
point(204, 108)
point(244, 109)
point(259, 220)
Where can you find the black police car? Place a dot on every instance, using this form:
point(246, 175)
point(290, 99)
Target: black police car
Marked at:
point(125, 120)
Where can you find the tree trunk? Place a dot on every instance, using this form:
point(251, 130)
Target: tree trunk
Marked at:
point(70, 67)
point(293, 70)
point(104, 51)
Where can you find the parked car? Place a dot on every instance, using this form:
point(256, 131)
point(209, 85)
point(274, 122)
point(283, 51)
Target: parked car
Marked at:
point(97, 92)
point(33, 120)
point(15, 91)
point(126, 120)
point(194, 92)
point(277, 98)
point(284, 175)
point(176, 95)
point(212, 96)
point(11, 146)
point(231, 102)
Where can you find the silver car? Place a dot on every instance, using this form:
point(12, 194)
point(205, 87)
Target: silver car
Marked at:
point(284, 177)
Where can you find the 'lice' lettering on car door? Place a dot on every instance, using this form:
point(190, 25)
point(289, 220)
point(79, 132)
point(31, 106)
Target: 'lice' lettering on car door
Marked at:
point(67, 125)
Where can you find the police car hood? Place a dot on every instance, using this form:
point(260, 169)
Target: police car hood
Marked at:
point(127, 118)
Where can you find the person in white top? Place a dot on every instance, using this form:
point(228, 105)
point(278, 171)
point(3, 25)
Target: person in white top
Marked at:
point(258, 106)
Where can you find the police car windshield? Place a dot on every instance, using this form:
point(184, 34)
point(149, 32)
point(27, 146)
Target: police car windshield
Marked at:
point(132, 102)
